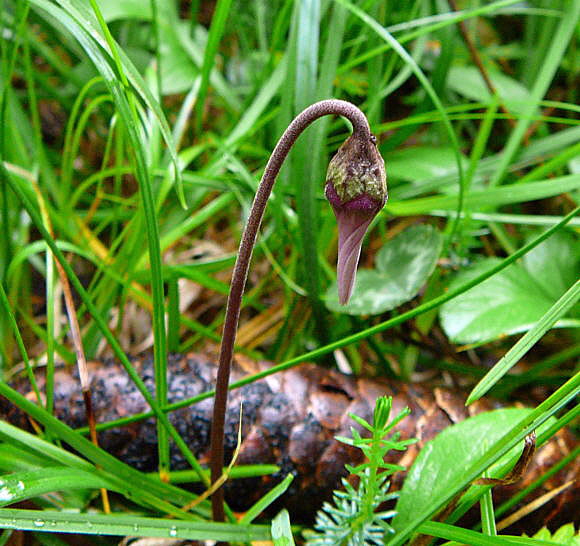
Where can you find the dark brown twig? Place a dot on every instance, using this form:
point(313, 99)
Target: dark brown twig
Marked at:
point(362, 130)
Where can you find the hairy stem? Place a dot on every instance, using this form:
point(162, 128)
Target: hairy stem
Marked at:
point(362, 130)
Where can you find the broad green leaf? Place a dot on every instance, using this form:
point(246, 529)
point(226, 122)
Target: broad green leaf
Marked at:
point(178, 70)
point(403, 265)
point(507, 303)
point(281, 530)
point(514, 299)
point(125, 9)
point(526, 342)
point(537, 420)
point(566, 535)
point(422, 162)
point(555, 264)
point(459, 446)
point(467, 81)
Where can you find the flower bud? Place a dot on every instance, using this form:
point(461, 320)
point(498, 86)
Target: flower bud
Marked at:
point(356, 188)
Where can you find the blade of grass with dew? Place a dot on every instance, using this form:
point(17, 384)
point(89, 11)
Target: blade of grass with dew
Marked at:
point(512, 357)
point(128, 525)
point(53, 456)
point(144, 490)
point(20, 486)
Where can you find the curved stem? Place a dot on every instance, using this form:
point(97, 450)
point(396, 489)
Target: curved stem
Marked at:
point(240, 274)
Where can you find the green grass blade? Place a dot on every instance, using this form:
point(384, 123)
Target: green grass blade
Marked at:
point(21, 486)
point(78, 12)
point(487, 515)
point(125, 102)
point(28, 204)
point(558, 43)
point(5, 306)
point(488, 198)
point(143, 489)
point(520, 219)
point(303, 52)
point(512, 357)
point(465, 536)
point(237, 472)
point(128, 525)
point(218, 23)
point(254, 511)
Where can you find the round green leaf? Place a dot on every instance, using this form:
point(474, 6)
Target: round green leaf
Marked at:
point(435, 469)
point(555, 264)
point(422, 162)
point(467, 81)
point(507, 303)
point(514, 299)
point(403, 265)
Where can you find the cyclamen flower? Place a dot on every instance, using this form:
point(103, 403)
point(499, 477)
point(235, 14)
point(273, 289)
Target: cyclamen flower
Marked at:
point(356, 188)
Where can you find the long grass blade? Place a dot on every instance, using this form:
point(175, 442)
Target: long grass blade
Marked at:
point(218, 23)
point(128, 525)
point(512, 357)
point(558, 43)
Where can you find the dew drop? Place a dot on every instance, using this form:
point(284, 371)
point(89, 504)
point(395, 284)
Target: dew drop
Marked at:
point(173, 532)
point(39, 523)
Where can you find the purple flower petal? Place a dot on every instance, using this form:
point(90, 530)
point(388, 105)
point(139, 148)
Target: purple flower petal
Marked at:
point(353, 219)
point(356, 187)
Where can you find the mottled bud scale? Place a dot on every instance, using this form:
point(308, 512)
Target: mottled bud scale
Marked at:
point(356, 188)
point(358, 170)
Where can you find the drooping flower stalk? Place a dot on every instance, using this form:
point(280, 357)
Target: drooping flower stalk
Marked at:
point(356, 188)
